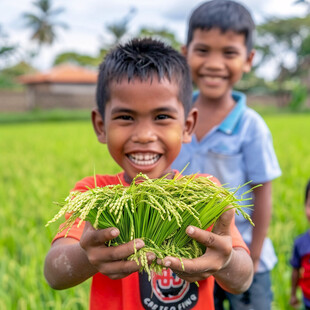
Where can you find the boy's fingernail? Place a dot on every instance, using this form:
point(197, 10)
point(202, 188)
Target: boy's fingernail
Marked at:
point(114, 232)
point(167, 263)
point(151, 257)
point(190, 230)
point(139, 244)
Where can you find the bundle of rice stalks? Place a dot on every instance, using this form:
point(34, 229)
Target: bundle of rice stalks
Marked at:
point(155, 210)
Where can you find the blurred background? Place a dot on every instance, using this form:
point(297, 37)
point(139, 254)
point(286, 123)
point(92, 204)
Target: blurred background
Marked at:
point(49, 54)
point(41, 34)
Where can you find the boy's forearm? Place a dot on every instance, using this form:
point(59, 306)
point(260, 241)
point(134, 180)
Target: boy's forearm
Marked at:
point(237, 276)
point(294, 281)
point(261, 218)
point(66, 265)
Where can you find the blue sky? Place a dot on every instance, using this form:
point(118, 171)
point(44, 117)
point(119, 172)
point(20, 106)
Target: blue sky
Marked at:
point(87, 20)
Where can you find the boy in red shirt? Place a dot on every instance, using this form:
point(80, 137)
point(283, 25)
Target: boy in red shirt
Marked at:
point(300, 262)
point(144, 115)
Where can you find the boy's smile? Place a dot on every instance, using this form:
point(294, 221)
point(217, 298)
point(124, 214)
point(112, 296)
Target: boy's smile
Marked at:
point(217, 60)
point(144, 126)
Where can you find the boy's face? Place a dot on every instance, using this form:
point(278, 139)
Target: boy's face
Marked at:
point(217, 60)
point(144, 126)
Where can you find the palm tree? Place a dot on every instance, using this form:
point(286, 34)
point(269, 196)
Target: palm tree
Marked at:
point(43, 23)
point(119, 28)
point(6, 49)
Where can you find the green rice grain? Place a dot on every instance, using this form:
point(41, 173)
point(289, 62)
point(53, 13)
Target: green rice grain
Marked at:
point(155, 210)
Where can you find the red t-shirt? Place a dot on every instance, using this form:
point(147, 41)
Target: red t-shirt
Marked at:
point(135, 292)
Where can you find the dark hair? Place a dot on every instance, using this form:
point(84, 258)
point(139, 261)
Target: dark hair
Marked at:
point(307, 191)
point(144, 59)
point(225, 15)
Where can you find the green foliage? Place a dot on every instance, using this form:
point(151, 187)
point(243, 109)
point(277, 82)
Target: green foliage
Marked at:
point(8, 83)
point(8, 76)
point(278, 37)
point(299, 97)
point(305, 47)
point(37, 115)
point(7, 49)
point(161, 34)
point(19, 69)
point(289, 220)
point(40, 163)
point(79, 59)
point(37, 168)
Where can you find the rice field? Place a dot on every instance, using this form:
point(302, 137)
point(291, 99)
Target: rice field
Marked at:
point(41, 161)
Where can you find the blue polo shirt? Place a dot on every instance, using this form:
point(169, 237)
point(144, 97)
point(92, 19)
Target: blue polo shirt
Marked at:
point(238, 150)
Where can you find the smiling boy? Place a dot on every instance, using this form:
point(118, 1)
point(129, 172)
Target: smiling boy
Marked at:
point(144, 115)
point(231, 141)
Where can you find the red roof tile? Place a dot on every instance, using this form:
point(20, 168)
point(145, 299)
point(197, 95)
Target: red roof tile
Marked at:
point(65, 73)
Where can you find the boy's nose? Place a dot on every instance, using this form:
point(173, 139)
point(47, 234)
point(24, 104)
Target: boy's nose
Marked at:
point(144, 134)
point(215, 62)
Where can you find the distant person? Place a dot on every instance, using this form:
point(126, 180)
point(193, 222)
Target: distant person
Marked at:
point(300, 261)
point(231, 141)
point(144, 115)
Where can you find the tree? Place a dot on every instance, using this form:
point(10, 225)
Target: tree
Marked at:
point(79, 59)
point(161, 34)
point(6, 49)
point(119, 28)
point(279, 39)
point(43, 23)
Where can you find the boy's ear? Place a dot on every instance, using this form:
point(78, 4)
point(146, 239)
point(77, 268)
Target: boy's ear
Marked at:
point(184, 50)
point(190, 124)
point(98, 125)
point(248, 64)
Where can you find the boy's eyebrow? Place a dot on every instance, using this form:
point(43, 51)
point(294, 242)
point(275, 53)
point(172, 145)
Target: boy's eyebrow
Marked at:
point(121, 110)
point(201, 44)
point(157, 110)
point(166, 109)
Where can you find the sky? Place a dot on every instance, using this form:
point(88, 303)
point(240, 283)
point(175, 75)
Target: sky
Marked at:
point(87, 21)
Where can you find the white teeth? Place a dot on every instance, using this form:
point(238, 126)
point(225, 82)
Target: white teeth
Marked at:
point(213, 79)
point(144, 158)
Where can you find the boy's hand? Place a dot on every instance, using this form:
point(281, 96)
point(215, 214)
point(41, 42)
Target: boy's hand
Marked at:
point(216, 257)
point(294, 302)
point(110, 261)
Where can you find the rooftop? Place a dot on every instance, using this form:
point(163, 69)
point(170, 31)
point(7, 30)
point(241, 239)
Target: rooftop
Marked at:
point(64, 73)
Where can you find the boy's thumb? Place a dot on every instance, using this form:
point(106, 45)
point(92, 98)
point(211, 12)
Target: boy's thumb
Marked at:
point(222, 225)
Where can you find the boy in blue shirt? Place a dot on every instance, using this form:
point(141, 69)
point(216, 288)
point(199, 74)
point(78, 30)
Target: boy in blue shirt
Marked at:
point(300, 261)
point(231, 141)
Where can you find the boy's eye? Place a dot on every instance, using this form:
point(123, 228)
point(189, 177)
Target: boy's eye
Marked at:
point(230, 53)
point(201, 50)
point(162, 117)
point(124, 117)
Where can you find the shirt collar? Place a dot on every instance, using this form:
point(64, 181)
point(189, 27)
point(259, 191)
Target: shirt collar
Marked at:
point(229, 124)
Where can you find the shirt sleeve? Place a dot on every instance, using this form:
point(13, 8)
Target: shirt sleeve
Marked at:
point(74, 232)
point(77, 228)
point(295, 259)
point(260, 159)
point(237, 240)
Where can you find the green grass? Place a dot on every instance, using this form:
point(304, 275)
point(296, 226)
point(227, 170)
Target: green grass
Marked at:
point(41, 161)
point(38, 115)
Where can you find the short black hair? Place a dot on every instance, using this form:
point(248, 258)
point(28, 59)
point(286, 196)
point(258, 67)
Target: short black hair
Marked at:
point(144, 59)
point(307, 191)
point(225, 15)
